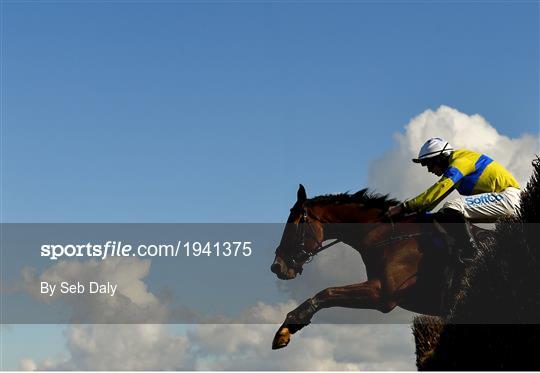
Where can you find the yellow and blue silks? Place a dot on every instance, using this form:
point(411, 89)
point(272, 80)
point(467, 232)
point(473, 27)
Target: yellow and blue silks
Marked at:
point(470, 173)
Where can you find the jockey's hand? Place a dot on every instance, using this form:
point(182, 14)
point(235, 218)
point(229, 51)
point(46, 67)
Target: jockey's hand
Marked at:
point(394, 210)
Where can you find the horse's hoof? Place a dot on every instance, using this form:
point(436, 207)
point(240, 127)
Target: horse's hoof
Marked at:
point(281, 339)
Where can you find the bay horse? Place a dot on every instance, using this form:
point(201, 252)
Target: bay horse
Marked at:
point(392, 255)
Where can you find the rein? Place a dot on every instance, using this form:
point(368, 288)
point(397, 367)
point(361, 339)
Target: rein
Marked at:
point(392, 237)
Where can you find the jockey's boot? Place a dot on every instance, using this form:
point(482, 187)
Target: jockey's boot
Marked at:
point(457, 227)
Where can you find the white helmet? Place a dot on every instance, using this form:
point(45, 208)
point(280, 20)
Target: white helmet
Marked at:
point(433, 148)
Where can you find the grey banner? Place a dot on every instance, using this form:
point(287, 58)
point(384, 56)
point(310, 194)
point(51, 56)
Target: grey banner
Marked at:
point(229, 273)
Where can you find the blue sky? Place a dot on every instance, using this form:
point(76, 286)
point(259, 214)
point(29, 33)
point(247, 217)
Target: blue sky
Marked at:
point(182, 111)
point(215, 111)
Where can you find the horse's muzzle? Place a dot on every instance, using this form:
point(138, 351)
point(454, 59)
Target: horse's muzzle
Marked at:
point(281, 270)
point(276, 268)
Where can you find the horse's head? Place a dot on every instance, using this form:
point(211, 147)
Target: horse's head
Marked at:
point(305, 232)
point(301, 239)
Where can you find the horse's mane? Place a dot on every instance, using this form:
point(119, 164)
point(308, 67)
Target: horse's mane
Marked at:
point(365, 197)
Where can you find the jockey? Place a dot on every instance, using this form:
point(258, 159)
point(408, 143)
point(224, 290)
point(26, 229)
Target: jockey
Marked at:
point(490, 191)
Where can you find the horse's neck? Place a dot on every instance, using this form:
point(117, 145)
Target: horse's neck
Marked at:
point(347, 213)
point(347, 222)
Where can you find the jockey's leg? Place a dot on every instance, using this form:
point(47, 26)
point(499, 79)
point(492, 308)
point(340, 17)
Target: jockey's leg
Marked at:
point(487, 207)
point(457, 227)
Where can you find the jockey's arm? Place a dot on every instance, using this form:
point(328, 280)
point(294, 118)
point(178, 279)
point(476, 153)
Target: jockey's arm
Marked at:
point(437, 192)
point(431, 197)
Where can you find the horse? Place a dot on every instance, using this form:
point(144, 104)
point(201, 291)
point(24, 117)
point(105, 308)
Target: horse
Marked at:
point(393, 255)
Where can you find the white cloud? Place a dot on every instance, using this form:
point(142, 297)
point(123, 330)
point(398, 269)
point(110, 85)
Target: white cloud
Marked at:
point(119, 347)
point(263, 313)
point(27, 364)
point(394, 173)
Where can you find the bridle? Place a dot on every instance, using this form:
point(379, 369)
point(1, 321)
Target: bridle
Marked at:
point(301, 255)
point(304, 228)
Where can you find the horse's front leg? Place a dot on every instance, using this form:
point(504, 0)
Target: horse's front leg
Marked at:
point(295, 320)
point(366, 295)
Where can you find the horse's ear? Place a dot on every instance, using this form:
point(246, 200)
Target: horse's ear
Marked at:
point(301, 195)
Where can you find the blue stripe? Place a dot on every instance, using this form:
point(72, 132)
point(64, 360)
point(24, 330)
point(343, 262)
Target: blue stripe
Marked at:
point(468, 182)
point(454, 174)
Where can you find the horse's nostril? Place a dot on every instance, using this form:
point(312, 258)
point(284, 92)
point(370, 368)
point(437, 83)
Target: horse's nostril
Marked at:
point(275, 268)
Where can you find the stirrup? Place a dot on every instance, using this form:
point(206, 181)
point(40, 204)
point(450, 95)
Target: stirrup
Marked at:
point(464, 260)
point(472, 248)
